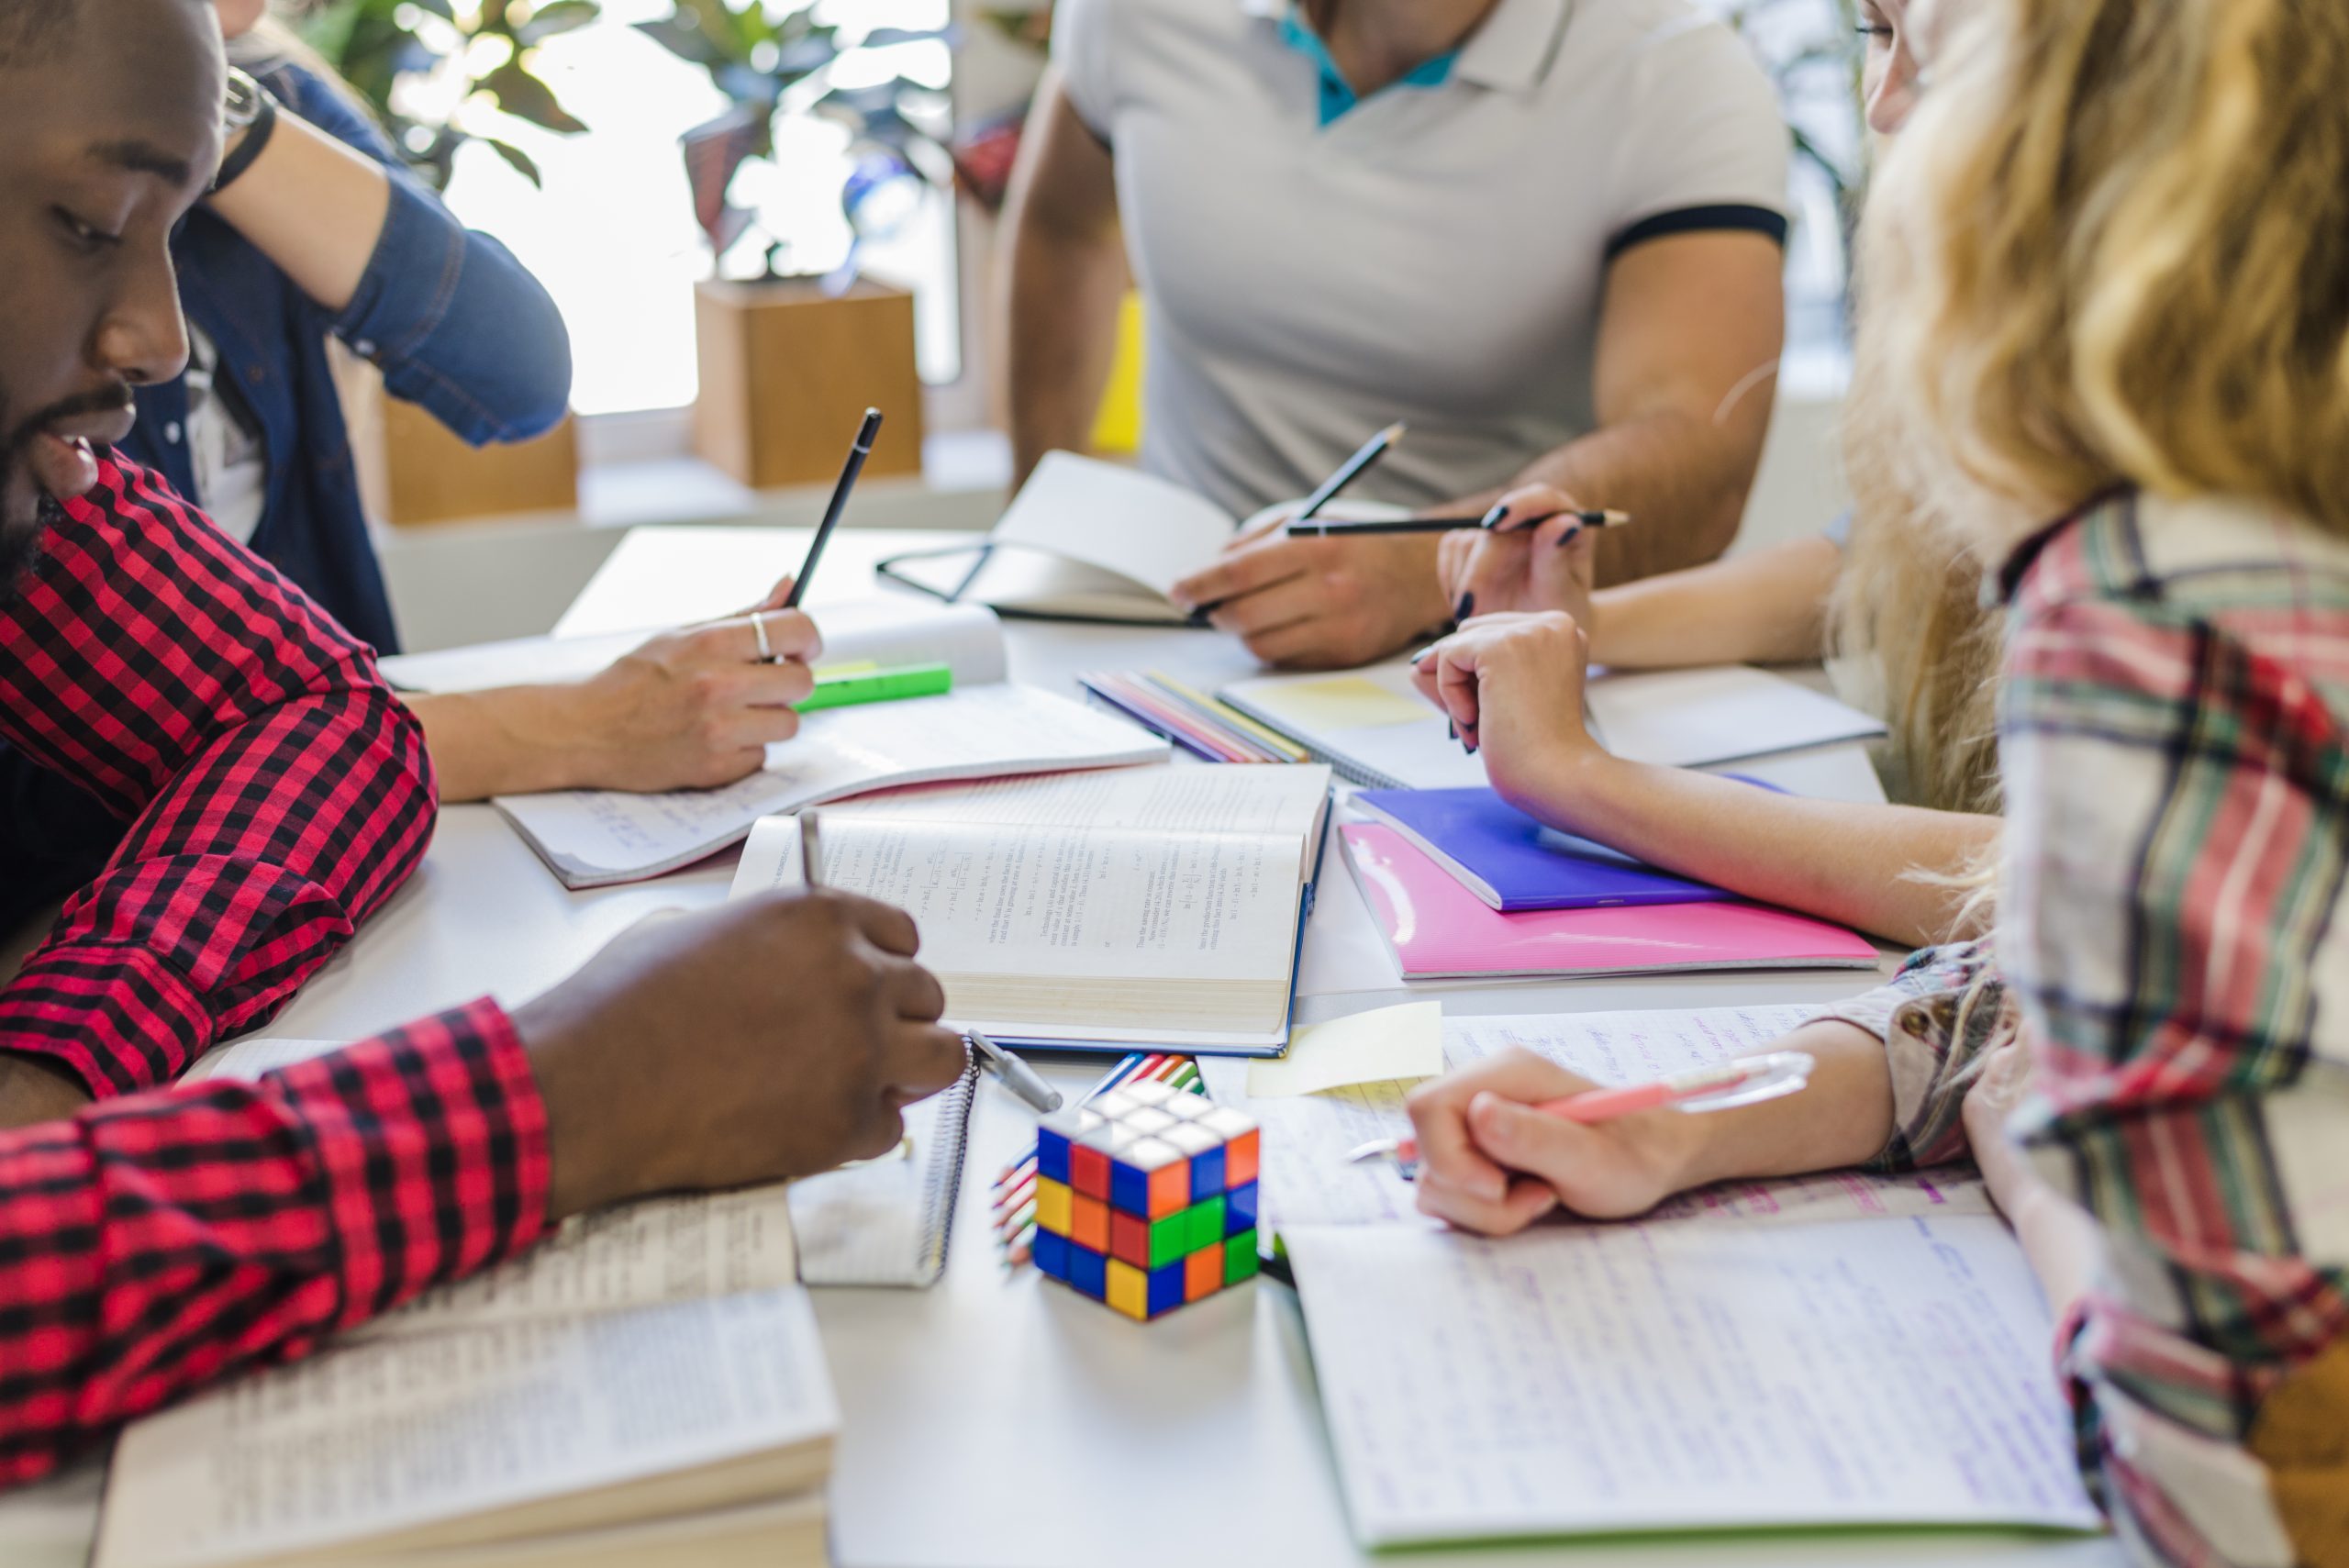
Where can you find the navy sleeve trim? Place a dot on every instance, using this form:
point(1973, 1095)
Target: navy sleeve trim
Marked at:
point(1701, 219)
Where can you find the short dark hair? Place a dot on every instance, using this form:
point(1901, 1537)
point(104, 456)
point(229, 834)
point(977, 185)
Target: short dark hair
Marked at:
point(31, 31)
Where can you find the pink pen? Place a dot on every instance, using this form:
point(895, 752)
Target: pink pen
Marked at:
point(1747, 1081)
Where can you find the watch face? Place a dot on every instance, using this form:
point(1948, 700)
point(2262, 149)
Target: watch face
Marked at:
point(243, 106)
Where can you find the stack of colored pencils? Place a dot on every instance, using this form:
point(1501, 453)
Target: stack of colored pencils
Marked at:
point(1192, 719)
point(1015, 1191)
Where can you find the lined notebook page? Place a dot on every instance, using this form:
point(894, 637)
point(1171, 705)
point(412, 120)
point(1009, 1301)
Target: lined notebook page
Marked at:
point(1680, 1375)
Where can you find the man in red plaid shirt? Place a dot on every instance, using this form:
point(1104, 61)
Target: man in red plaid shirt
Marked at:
point(152, 1238)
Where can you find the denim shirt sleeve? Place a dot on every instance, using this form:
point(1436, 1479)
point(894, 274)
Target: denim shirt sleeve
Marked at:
point(454, 322)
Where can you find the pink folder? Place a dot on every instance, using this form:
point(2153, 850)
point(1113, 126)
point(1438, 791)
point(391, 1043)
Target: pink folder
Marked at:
point(1439, 931)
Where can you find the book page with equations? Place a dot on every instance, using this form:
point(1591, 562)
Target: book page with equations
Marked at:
point(1148, 902)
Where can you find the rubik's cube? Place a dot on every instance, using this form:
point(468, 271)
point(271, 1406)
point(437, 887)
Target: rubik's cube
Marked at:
point(1146, 1198)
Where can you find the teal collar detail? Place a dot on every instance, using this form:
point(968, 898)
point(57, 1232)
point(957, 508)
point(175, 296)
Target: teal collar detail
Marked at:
point(1337, 94)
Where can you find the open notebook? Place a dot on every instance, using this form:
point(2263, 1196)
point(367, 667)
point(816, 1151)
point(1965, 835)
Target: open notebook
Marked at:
point(1091, 911)
point(1835, 1351)
point(1376, 729)
point(1089, 540)
point(984, 728)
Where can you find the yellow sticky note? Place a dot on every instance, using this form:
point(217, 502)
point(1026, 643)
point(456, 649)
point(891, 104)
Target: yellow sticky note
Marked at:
point(1368, 1048)
point(1343, 701)
point(856, 667)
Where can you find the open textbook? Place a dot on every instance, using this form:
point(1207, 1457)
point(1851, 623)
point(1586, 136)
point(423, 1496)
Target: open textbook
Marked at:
point(983, 728)
point(1093, 541)
point(1102, 909)
point(1836, 1349)
point(646, 1387)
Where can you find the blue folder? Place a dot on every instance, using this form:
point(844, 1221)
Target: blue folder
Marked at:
point(1513, 862)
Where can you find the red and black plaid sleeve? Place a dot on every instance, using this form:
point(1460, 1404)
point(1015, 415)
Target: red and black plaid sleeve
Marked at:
point(158, 1241)
point(278, 791)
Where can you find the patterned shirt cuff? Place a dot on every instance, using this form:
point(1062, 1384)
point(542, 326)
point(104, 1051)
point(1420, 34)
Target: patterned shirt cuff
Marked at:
point(433, 1139)
point(116, 1014)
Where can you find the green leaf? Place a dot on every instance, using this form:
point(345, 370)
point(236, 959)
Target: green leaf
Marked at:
point(523, 95)
point(521, 162)
point(554, 20)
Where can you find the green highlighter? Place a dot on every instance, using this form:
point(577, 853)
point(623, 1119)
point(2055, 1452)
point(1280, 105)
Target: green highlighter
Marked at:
point(851, 688)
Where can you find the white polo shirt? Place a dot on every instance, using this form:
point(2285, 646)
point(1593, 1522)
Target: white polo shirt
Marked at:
point(1436, 253)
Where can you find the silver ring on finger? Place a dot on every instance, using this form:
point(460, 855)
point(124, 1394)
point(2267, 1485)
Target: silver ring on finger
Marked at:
point(759, 630)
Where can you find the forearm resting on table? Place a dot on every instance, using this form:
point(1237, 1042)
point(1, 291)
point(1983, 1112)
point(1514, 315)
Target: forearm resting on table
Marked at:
point(1767, 607)
point(512, 740)
point(1868, 867)
point(1844, 1117)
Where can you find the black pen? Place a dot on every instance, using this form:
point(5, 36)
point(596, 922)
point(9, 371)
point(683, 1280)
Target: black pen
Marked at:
point(856, 456)
point(1589, 519)
point(1348, 471)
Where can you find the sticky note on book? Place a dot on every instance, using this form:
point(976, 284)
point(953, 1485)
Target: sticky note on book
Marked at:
point(1347, 702)
point(1369, 1047)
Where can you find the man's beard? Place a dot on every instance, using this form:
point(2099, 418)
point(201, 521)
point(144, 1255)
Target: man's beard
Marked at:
point(20, 541)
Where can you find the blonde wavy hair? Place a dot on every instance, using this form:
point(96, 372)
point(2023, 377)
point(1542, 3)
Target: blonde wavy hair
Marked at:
point(1908, 601)
point(2112, 248)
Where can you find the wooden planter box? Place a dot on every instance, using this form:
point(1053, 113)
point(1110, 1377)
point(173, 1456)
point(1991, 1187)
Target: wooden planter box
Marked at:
point(431, 476)
point(786, 371)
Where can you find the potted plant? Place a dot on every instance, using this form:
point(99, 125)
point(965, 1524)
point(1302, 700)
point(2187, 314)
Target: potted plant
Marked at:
point(788, 355)
point(426, 69)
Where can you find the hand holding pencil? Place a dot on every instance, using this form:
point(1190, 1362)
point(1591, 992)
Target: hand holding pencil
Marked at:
point(1539, 552)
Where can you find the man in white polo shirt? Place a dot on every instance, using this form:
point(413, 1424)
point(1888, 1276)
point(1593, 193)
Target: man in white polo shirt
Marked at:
point(1546, 233)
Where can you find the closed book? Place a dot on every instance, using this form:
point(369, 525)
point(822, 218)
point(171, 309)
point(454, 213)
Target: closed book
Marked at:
point(1439, 931)
point(1514, 862)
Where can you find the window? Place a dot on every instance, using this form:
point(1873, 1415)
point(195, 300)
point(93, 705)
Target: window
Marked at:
point(612, 232)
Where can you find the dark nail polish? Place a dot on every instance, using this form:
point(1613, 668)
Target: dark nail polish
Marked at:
point(1494, 517)
point(1467, 608)
point(1454, 730)
point(1569, 537)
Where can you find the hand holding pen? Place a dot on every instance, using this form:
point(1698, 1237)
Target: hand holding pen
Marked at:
point(1539, 553)
point(1503, 1143)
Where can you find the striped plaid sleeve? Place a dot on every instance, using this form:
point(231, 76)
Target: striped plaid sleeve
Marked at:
point(159, 1242)
point(2178, 790)
point(278, 792)
point(1939, 1018)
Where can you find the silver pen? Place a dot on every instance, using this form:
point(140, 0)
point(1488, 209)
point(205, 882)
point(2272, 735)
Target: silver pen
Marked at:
point(1017, 1076)
point(811, 851)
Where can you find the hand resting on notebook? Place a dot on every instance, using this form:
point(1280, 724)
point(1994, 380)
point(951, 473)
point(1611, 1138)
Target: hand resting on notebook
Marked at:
point(778, 1036)
point(1490, 1162)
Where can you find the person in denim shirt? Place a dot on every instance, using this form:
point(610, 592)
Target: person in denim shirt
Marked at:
point(322, 232)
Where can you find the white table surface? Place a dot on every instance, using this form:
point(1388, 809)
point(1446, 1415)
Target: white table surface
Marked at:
point(996, 1421)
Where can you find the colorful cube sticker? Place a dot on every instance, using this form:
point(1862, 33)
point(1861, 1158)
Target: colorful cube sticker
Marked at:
point(1146, 1198)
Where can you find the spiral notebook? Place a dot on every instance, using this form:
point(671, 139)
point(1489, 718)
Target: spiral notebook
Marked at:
point(889, 1221)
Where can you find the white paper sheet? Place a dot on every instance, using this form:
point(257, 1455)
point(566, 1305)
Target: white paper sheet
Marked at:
point(594, 837)
point(390, 1433)
point(1675, 1377)
point(1686, 719)
point(1308, 1181)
